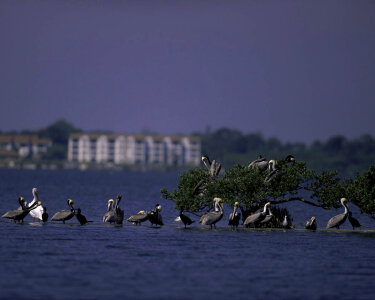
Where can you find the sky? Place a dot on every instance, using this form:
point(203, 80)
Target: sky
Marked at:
point(295, 70)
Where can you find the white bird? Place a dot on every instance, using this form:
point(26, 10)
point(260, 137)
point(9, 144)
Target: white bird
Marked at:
point(37, 212)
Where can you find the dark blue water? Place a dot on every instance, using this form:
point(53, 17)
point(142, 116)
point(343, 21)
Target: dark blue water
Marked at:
point(56, 261)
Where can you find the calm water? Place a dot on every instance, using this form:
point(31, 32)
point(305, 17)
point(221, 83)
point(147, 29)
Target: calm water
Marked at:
point(56, 261)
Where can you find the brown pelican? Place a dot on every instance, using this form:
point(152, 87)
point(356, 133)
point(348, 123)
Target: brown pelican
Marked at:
point(338, 220)
point(355, 223)
point(21, 201)
point(211, 218)
point(234, 217)
point(65, 215)
point(138, 218)
point(154, 216)
point(109, 216)
point(20, 214)
point(185, 219)
point(260, 163)
point(274, 174)
point(256, 217)
point(44, 215)
point(118, 212)
point(37, 212)
point(81, 218)
point(267, 218)
point(212, 167)
point(311, 224)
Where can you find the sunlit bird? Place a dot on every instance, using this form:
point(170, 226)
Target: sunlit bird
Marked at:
point(138, 218)
point(338, 220)
point(257, 217)
point(37, 212)
point(20, 214)
point(109, 216)
point(261, 163)
point(65, 215)
point(211, 218)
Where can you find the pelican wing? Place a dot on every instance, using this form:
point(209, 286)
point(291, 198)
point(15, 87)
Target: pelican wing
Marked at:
point(253, 218)
point(210, 218)
point(63, 215)
point(337, 220)
point(36, 212)
point(109, 216)
point(137, 218)
point(11, 214)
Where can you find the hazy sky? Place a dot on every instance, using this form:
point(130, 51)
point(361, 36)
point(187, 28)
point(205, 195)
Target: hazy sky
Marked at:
point(298, 70)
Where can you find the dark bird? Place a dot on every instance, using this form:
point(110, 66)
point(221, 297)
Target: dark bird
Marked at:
point(311, 224)
point(256, 217)
point(109, 216)
point(155, 217)
point(20, 214)
point(44, 215)
point(185, 219)
point(338, 220)
point(138, 218)
point(260, 163)
point(65, 215)
point(355, 223)
point(118, 212)
point(234, 217)
point(211, 218)
point(81, 218)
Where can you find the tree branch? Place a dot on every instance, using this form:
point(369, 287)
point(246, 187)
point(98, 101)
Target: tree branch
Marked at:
point(298, 199)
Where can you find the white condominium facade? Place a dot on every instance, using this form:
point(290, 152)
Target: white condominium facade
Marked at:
point(23, 146)
point(134, 149)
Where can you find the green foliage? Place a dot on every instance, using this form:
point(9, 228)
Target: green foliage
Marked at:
point(231, 147)
point(361, 190)
point(59, 132)
point(249, 188)
point(56, 152)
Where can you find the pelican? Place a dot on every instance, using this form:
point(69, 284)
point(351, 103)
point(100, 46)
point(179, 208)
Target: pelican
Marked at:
point(20, 214)
point(21, 201)
point(355, 223)
point(311, 224)
point(118, 212)
point(184, 219)
point(44, 215)
point(109, 216)
point(211, 218)
point(257, 217)
point(65, 215)
point(212, 167)
point(138, 218)
point(260, 163)
point(37, 212)
point(81, 218)
point(234, 217)
point(338, 220)
point(267, 218)
point(273, 173)
point(154, 216)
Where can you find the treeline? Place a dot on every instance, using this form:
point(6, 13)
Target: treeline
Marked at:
point(232, 147)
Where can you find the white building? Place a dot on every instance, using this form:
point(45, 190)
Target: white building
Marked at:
point(134, 149)
point(25, 145)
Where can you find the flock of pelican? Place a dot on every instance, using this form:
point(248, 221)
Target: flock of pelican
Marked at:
point(115, 214)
